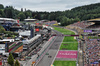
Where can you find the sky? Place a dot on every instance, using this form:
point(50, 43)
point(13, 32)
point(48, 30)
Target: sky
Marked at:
point(47, 5)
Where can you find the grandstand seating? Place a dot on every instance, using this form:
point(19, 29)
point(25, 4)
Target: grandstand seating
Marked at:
point(82, 24)
point(14, 46)
point(94, 27)
point(92, 48)
point(92, 53)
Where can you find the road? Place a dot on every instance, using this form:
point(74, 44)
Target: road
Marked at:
point(34, 57)
point(47, 60)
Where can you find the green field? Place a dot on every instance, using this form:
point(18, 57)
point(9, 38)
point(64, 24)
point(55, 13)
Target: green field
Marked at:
point(69, 46)
point(72, 43)
point(69, 43)
point(64, 63)
point(64, 31)
point(69, 39)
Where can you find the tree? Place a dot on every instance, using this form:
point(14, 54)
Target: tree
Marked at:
point(10, 59)
point(2, 13)
point(25, 9)
point(64, 21)
point(21, 9)
point(76, 19)
point(1, 6)
point(17, 63)
point(59, 18)
point(28, 13)
point(2, 30)
point(21, 16)
point(9, 12)
point(16, 12)
point(52, 16)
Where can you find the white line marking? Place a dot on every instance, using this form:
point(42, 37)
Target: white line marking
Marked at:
point(57, 52)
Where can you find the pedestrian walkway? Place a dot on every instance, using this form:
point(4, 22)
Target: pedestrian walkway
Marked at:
point(80, 58)
point(81, 54)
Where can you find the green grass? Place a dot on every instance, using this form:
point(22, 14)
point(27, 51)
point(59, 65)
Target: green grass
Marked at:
point(69, 39)
point(64, 63)
point(64, 31)
point(69, 46)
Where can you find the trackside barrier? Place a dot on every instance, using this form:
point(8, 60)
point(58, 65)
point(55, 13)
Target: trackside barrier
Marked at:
point(77, 62)
point(45, 50)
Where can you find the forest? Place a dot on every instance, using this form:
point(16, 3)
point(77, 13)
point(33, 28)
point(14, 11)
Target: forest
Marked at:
point(66, 17)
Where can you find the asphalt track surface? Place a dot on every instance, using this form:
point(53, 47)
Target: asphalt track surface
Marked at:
point(47, 60)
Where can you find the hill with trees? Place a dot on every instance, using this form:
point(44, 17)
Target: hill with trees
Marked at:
point(64, 17)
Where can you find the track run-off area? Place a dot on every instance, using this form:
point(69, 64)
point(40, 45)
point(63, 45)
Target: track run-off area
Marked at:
point(68, 50)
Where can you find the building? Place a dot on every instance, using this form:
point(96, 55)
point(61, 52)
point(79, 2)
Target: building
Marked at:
point(2, 20)
point(94, 29)
point(3, 46)
point(30, 20)
point(25, 34)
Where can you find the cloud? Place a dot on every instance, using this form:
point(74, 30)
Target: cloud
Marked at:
point(47, 5)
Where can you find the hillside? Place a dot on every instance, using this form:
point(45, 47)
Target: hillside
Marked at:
point(85, 12)
point(66, 17)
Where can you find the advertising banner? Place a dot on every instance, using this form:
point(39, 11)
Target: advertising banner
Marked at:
point(88, 31)
point(67, 54)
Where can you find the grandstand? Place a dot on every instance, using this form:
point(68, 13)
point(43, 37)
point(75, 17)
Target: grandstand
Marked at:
point(3, 47)
point(91, 45)
point(95, 27)
point(92, 53)
point(10, 24)
point(2, 20)
point(89, 27)
point(13, 46)
point(82, 24)
point(31, 44)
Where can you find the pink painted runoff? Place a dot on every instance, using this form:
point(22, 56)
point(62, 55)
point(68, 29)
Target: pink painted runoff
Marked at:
point(67, 54)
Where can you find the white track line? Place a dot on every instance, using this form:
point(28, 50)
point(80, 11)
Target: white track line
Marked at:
point(57, 52)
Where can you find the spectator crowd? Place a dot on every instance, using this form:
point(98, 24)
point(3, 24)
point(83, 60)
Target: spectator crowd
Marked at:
point(92, 52)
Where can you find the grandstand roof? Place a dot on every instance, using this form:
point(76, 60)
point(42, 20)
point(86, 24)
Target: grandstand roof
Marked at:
point(30, 19)
point(95, 20)
point(10, 40)
point(98, 34)
point(31, 40)
point(7, 19)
